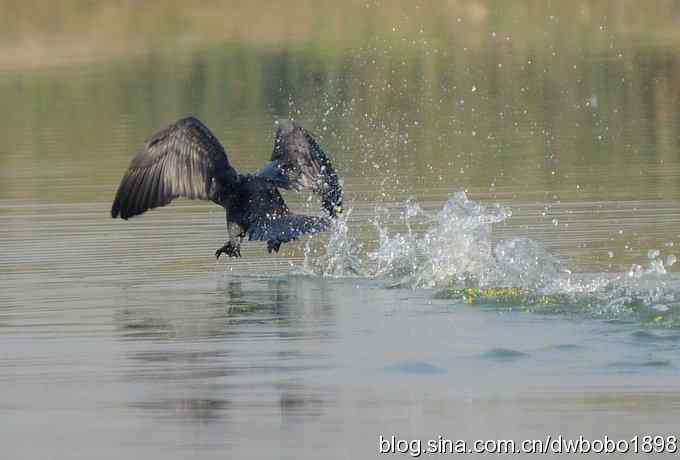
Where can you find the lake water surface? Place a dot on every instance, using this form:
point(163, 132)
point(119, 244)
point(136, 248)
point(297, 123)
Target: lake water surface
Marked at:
point(504, 270)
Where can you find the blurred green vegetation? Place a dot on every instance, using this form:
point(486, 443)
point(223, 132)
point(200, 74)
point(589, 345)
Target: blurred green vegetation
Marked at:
point(523, 100)
point(32, 31)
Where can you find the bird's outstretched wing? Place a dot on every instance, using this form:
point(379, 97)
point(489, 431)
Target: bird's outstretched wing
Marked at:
point(184, 159)
point(299, 163)
point(286, 228)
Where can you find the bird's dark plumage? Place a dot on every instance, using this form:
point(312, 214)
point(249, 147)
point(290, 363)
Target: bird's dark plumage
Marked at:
point(187, 160)
point(287, 228)
point(184, 159)
point(299, 163)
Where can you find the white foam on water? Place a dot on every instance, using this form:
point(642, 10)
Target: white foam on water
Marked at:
point(456, 248)
point(453, 250)
point(341, 257)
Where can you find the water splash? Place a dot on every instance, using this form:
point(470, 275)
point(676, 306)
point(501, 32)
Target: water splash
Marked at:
point(457, 251)
point(341, 256)
point(453, 251)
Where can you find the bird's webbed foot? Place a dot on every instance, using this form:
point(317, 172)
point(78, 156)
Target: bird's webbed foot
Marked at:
point(230, 248)
point(273, 245)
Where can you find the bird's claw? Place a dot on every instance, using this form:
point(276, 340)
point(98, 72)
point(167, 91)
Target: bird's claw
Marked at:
point(273, 245)
point(230, 249)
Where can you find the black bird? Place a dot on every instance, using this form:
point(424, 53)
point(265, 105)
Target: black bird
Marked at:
point(186, 159)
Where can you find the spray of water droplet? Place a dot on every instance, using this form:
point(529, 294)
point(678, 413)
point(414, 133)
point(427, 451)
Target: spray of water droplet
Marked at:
point(341, 257)
point(453, 250)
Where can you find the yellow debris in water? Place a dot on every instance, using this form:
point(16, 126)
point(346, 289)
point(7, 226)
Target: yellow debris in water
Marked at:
point(509, 294)
point(470, 295)
point(546, 300)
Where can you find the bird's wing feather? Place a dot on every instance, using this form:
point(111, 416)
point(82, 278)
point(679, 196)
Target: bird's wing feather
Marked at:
point(286, 228)
point(298, 163)
point(184, 159)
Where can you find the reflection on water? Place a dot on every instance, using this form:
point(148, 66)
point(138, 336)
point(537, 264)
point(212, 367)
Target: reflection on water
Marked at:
point(127, 339)
point(276, 362)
